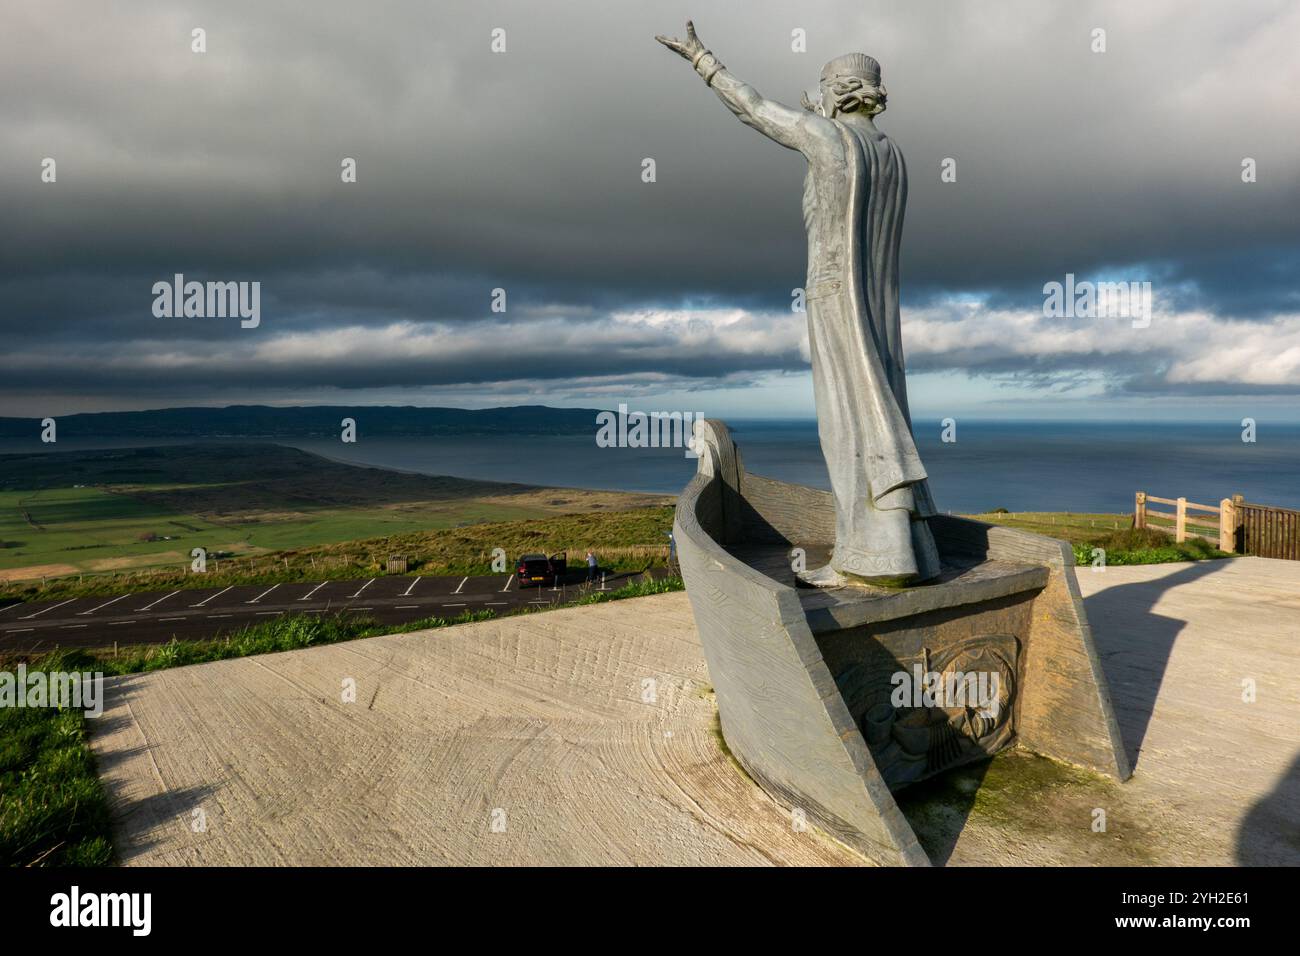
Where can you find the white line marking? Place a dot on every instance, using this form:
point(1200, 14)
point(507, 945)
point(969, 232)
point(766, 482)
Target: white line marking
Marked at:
point(454, 605)
point(12, 606)
point(19, 630)
point(407, 592)
point(104, 605)
point(28, 617)
point(220, 615)
point(263, 594)
point(73, 627)
point(116, 623)
point(406, 607)
point(496, 602)
point(360, 609)
point(161, 619)
point(314, 610)
point(159, 601)
point(508, 582)
point(207, 599)
point(461, 585)
point(260, 613)
point(362, 588)
point(307, 596)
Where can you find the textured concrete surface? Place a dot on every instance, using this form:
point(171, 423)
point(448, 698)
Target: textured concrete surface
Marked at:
point(1216, 780)
point(539, 717)
point(542, 717)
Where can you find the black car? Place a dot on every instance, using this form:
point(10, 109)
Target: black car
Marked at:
point(539, 570)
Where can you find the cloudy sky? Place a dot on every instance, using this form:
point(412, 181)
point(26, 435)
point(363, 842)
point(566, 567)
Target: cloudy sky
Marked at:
point(522, 170)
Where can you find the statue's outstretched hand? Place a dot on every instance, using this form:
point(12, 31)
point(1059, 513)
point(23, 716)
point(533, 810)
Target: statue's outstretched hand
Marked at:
point(689, 48)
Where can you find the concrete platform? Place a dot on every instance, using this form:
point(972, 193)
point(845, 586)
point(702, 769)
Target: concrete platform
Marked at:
point(542, 717)
point(545, 724)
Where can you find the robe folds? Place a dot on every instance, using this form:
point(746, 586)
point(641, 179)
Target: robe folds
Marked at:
point(859, 376)
point(855, 194)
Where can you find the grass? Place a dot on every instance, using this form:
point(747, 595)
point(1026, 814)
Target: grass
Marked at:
point(626, 540)
point(90, 512)
point(635, 589)
point(53, 808)
point(1146, 546)
point(1113, 533)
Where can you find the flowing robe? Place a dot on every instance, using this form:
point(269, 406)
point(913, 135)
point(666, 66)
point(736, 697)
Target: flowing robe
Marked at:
point(854, 197)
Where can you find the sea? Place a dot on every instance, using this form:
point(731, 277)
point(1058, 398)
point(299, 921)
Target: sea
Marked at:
point(1020, 466)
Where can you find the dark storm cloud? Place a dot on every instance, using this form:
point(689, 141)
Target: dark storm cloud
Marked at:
point(522, 170)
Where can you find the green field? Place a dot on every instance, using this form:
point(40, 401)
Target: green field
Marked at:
point(127, 519)
point(95, 530)
point(89, 513)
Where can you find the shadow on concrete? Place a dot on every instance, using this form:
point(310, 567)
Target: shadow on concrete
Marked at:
point(937, 808)
point(138, 823)
point(1270, 832)
point(1134, 644)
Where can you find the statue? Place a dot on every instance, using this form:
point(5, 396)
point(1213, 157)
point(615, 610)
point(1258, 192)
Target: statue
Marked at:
point(853, 202)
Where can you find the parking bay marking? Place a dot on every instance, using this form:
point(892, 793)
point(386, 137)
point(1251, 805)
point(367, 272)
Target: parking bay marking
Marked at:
point(28, 617)
point(102, 606)
point(362, 588)
point(207, 599)
point(407, 592)
point(263, 594)
point(160, 600)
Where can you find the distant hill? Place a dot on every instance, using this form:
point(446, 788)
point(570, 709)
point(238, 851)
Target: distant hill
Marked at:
point(312, 421)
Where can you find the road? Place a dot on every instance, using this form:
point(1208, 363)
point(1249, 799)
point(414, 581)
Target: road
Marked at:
point(156, 617)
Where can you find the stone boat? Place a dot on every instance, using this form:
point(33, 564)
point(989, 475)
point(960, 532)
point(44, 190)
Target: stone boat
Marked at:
point(808, 681)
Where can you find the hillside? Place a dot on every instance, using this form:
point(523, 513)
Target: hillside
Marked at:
point(315, 421)
point(113, 510)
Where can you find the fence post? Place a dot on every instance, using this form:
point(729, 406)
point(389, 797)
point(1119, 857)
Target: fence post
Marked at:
point(1180, 528)
point(1227, 526)
point(1238, 521)
point(1140, 510)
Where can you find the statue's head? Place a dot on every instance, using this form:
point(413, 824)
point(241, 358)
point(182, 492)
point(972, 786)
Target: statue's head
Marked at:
point(849, 84)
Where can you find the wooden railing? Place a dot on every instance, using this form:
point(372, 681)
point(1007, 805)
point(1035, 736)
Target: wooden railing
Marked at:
point(1240, 526)
point(1266, 531)
point(1220, 529)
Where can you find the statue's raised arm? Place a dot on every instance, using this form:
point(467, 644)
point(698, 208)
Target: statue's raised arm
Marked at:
point(792, 128)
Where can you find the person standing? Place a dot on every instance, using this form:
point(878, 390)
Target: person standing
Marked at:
point(591, 567)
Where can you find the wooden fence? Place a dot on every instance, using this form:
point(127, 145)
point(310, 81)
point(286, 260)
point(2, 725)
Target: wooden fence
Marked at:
point(1217, 529)
point(1267, 531)
point(1238, 526)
